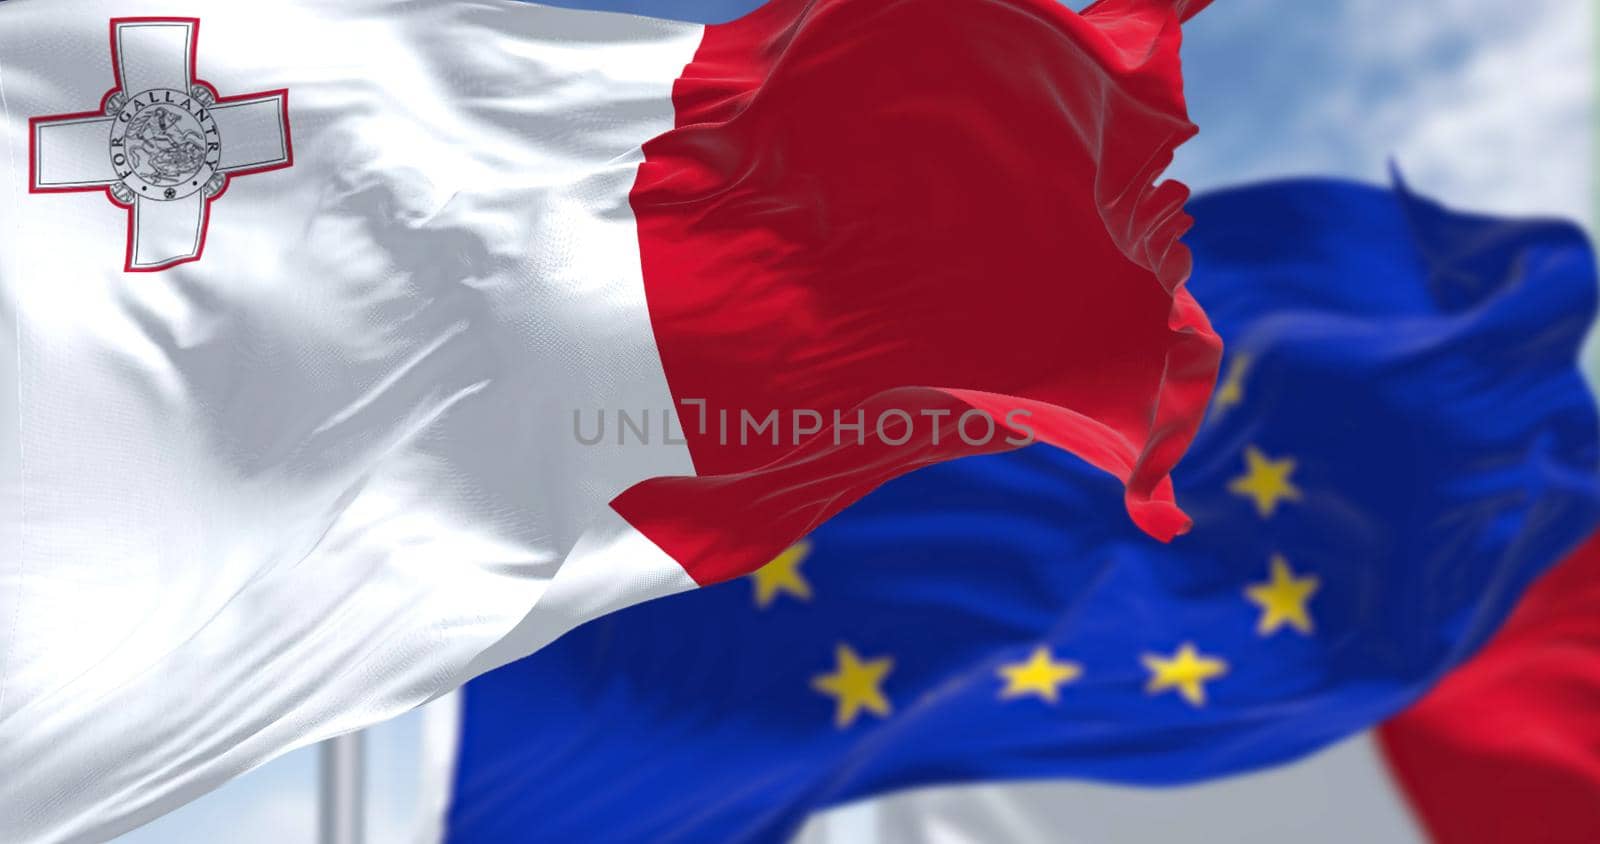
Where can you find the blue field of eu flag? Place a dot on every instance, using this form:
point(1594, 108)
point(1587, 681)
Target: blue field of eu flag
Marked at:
point(1401, 442)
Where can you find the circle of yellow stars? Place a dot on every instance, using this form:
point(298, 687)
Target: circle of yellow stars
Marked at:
point(856, 683)
point(1283, 598)
point(1040, 675)
point(782, 576)
point(1266, 481)
point(1230, 393)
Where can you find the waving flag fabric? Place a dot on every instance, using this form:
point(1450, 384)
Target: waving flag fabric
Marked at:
point(1402, 442)
point(365, 346)
point(1508, 747)
point(1504, 749)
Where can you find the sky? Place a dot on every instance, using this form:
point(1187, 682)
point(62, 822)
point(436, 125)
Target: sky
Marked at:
point(1482, 104)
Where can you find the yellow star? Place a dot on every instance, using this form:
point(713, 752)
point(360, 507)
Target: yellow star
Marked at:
point(1041, 675)
point(782, 575)
point(1231, 392)
point(1266, 481)
point(854, 685)
point(1283, 598)
point(1187, 671)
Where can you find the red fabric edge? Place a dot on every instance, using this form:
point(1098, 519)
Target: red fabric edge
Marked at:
point(1146, 219)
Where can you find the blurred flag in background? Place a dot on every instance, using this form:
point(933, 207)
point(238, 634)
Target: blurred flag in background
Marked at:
point(1507, 748)
point(1402, 442)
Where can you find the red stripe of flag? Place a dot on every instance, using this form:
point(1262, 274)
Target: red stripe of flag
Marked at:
point(1507, 747)
point(922, 206)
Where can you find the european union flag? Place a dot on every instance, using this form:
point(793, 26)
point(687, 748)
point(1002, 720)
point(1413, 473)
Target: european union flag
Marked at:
point(1402, 441)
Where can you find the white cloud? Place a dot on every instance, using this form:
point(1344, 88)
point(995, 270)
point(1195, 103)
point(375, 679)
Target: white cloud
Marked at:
point(1509, 128)
point(1484, 104)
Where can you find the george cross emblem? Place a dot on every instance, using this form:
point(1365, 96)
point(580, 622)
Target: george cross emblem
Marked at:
point(163, 144)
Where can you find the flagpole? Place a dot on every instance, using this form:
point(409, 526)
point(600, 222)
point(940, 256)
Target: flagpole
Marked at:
point(341, 802)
